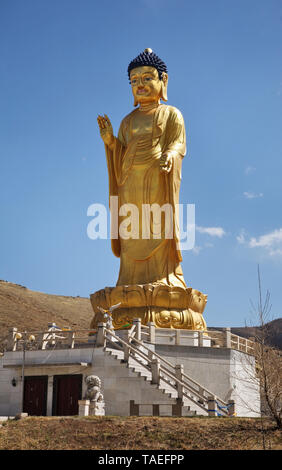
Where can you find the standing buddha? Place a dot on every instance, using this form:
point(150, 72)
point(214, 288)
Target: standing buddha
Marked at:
point(144, 166)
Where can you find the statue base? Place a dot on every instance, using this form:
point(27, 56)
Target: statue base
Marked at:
point(91, 408)
point(165, 306)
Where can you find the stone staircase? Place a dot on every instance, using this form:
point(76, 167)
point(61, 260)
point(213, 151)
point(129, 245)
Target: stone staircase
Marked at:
point(161, 388)
point(171, 407)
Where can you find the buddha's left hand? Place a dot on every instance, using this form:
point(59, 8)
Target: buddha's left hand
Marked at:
point(166, 162)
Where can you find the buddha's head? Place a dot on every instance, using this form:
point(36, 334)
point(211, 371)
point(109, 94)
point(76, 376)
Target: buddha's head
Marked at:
point(147, 74)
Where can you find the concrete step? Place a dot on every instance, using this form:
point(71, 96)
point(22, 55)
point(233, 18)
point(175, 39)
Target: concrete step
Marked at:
point(188, 409)
point(145, 374)
point(120, 355)
point(115, 352)
point(187, 412)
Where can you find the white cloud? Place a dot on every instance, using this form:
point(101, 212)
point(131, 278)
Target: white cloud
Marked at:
point(196, 250)
point(250, 195)
point(212, 231)
point(249, 169)
point(275, 252)
point(270, 242)
point(267, 241)
point(241, 238)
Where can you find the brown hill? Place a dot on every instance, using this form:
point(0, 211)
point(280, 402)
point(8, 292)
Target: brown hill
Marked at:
point(26, 309)
point(272, 335)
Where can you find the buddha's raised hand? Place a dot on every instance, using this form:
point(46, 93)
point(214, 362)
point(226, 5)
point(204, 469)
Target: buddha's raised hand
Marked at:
point(106, 130)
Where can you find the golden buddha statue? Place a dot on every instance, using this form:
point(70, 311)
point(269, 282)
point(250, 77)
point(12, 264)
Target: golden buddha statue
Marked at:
point(144, 165)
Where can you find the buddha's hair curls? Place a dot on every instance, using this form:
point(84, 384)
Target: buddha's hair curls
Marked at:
point(149, 58)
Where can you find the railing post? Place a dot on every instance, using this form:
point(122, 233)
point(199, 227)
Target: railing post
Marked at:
point(155, 368)
point(250, 346)
point(152, 332)
point(177, 409)
point(200, 339)
point(12, 342)
point(227, 338)
point(177, 337)
point(212, 406)
point(126, 352)
point(137, 323)
point(245, 345)
point(71, 336)
point(231, 408)
point(202, 394)
point(101, 339)
point(179, 375)
point(127, 337)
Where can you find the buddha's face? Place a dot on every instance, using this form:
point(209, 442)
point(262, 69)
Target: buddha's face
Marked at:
point(146, 85)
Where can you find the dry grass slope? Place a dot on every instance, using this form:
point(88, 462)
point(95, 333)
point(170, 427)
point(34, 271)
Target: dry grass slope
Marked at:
point(27, 309)
point(112, 433)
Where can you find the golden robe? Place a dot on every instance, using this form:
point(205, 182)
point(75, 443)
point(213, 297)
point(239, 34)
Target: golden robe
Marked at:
point(136, 178)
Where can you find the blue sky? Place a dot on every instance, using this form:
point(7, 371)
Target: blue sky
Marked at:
point(63, 62)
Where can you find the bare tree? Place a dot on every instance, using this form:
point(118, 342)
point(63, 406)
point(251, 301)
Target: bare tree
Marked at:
point(268, 360)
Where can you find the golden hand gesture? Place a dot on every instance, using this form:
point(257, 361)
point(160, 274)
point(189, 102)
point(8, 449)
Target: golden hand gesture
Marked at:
point(106, 130)
point(166, 162)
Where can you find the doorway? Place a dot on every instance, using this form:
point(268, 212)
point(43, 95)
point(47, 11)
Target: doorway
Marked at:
point(66, 393)
point(35, 395)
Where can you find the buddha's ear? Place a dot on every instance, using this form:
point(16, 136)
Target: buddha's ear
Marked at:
point(164, 86)
point(135, 101)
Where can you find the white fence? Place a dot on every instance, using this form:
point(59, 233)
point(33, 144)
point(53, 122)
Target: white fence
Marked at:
point(68, 338)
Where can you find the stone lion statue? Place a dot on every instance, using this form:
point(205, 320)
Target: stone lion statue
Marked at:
point(93, 392)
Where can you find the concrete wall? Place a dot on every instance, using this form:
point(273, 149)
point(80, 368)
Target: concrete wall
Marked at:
point(247, 387)
point(119, 383)
point(10, 397)
point(227, 373)
point(37, 363)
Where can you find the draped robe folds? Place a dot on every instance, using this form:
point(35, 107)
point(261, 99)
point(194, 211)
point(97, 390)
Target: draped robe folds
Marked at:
point(135, 177)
